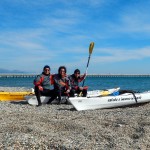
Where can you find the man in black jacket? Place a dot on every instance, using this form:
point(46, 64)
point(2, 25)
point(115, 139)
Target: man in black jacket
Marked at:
point(43, 84)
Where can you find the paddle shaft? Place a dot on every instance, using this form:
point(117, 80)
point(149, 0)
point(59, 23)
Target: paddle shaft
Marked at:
point(86, 68)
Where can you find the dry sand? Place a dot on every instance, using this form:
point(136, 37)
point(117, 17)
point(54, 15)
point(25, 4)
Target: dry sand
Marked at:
point(61, 127)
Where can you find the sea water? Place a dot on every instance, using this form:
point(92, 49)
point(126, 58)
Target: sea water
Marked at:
point(138, 84)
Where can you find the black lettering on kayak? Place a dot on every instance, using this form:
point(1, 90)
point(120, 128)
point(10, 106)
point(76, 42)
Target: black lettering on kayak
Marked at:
point(123, 99)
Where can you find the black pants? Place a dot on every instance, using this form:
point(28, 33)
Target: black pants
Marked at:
point(45, 92)
point(57, 93)
point(73, 91)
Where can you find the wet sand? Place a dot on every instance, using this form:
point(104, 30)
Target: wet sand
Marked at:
point(61, 127)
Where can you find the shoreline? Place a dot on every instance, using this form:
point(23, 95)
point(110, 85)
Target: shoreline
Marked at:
point(15, 89)
point(15, 75)
point(62, 127)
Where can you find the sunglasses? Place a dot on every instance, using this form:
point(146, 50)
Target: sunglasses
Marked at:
point(47, 69)
point(77, 73)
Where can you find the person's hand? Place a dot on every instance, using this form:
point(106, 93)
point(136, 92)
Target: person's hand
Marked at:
point(62, 83)
point(81, 88)
point(84, 75)
point(68, 91)
point(85, 87)
point(40, 88)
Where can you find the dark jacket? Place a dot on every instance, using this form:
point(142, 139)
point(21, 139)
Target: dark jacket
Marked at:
point(75, 81)
point(61, 84)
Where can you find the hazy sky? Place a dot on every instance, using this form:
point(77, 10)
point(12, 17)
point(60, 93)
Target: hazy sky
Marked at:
point(34, 33)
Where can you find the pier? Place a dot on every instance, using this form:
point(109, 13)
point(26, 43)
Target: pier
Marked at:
point(17, 75)
point(89, 75)
point(118, 75)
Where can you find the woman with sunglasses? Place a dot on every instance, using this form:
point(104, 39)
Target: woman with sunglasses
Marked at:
point(61, 84)
point(75, 79)
point(43, 84)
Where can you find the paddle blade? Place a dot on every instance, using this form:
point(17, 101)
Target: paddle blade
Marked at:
point(91, 47)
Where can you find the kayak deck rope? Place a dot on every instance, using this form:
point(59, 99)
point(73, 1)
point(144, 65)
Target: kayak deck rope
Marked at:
point(129, 91)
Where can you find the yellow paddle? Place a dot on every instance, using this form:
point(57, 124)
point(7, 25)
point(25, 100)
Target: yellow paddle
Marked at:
point(90, 52)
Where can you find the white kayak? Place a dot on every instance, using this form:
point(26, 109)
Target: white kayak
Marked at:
point(31, 99)
point(86, 103)
point(106, 92)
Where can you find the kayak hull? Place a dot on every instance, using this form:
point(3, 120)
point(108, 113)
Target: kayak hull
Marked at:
point(13, 96)
point(32, 100)
point(85, 103)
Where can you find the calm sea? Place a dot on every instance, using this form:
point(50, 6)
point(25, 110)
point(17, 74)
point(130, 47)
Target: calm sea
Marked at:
point(131, 83)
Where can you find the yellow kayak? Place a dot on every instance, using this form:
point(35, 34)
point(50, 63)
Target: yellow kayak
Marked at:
point(9, 96)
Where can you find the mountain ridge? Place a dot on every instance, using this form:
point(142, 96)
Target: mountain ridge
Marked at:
point(10, 71)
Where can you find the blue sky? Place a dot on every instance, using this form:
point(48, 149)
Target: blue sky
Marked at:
point(34, 33)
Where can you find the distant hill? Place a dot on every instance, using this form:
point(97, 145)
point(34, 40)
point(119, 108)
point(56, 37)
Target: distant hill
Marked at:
point(10, 71)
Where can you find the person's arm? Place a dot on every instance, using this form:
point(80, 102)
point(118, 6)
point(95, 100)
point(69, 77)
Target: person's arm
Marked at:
point(63, 82)
point(58, 82)
point(83, 88)
point(68, 85)
point(38, 82)
point(82, 78)
point(52, 79)
point(73, 83)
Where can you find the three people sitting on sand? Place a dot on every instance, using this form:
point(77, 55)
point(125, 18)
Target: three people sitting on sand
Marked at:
point(63, 85)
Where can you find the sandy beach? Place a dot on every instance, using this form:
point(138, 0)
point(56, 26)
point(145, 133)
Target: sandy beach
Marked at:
point(61, 127)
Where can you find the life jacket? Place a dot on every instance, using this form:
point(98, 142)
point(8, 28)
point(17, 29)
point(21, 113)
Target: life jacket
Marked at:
point(75, 81)
point(61, 83)
point(40, 80)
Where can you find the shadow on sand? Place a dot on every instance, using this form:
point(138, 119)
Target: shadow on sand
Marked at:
point(19, 102)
